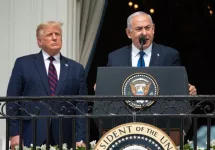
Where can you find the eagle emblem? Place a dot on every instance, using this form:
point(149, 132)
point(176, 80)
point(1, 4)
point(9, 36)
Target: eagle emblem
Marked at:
point(140, 84)
point(140, 88)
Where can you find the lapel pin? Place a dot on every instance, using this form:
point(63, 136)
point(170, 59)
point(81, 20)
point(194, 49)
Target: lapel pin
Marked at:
point(66, 65)
point(158, 55)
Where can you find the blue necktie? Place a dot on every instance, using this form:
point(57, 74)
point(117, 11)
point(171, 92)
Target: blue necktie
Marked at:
point(52, 77)
point(141, 62)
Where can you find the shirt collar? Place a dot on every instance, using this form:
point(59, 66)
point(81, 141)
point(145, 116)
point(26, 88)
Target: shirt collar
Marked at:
point(46, 56)
point(136, 51)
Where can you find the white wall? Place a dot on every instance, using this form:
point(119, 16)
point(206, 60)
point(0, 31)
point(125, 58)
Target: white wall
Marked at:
point(19, 19)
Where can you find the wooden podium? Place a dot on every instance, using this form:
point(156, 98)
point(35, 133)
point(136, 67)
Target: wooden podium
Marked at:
point(174, 135)
point(115, 81)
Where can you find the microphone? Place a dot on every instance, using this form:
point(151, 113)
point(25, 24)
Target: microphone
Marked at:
point(142, 41)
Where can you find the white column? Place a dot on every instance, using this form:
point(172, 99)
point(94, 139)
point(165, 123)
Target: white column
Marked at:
point(19, 19)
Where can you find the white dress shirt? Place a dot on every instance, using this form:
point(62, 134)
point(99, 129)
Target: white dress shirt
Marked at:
point(56, 62)
point(135, 55)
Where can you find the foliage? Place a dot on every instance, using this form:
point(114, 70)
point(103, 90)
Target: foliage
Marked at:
point(56, 147)
point(189, 146)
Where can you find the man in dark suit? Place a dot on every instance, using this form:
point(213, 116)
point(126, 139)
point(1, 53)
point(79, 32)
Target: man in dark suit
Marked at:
point(141, 24)
point(47, 73)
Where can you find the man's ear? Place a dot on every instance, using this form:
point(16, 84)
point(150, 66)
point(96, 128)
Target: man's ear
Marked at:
point(39, 42)
point(128, 32)
point(153, 28)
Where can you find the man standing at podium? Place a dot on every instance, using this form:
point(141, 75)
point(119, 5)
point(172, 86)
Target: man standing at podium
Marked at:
point(141, 29)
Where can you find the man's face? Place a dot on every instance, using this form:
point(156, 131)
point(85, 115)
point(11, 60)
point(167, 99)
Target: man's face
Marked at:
point(50, 40)
point(141, 24)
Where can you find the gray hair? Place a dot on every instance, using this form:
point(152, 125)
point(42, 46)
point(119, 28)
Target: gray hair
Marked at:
point(136, 14)
point(41, 26)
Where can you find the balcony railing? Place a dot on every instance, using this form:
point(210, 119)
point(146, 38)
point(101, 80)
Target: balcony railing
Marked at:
point(108, 112)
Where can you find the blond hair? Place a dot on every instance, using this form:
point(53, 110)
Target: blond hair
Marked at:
point(43, 25)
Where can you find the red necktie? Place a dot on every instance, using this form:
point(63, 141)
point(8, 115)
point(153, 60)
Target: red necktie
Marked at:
point(52, 77)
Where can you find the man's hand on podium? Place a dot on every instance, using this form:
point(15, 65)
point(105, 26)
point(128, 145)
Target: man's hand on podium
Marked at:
point(192, 89)
point(94, 87)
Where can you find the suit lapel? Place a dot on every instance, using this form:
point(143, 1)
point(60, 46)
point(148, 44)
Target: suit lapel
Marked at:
point(40, 65)
point(64, 67)
point(155, 57)
point(127, 56)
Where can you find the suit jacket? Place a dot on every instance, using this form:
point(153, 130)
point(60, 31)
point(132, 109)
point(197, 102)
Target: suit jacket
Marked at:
point(161, 56)
point(29, 78)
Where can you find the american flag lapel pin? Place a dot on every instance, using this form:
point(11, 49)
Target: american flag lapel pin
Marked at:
point(158, 54)
point(66, 65)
